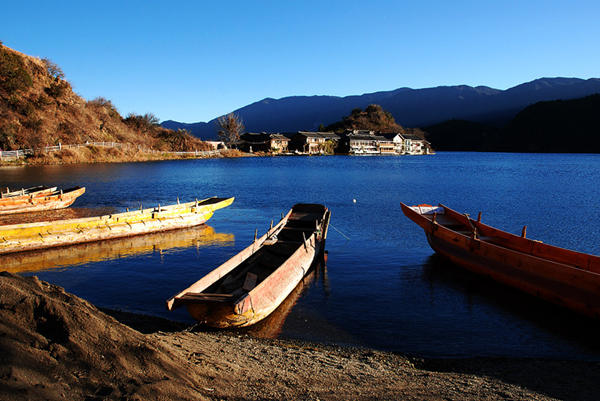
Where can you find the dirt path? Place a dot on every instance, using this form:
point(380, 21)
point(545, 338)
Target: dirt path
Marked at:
point(54, 345)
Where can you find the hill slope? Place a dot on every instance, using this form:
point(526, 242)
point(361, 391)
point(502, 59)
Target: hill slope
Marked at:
point(38, 108)
point(571, 126)
point(559, 126)
point(409, 107)
point(373, 118)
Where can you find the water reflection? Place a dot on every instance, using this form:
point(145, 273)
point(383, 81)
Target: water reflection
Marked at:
point(478, 291)
point(200, 236)
point(272, 326)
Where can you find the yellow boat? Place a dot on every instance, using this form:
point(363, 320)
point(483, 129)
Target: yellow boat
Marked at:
point(47, 234)
point(117, 248)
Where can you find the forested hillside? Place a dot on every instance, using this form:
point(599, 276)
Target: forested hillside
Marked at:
point(559, 126)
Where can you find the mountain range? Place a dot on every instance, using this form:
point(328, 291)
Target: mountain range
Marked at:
point(410, 107)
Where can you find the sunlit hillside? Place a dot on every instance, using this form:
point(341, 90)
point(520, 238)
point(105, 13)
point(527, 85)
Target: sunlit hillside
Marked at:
point(39, 108)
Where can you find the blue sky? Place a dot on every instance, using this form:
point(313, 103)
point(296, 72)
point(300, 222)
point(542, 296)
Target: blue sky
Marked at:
point(195, 60)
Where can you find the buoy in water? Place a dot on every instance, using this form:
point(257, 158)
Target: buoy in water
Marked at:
point(353, 200)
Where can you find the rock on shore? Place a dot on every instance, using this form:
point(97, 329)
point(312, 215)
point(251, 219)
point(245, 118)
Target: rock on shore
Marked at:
point(54, 345)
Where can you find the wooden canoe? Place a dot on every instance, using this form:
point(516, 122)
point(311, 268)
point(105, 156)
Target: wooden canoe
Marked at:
point(561, 276)
point(57, 199)
point(253, 283)
point(117, 248)
point(47, 234)
point(35, 191)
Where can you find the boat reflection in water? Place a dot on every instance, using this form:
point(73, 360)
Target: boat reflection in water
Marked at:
point(199, 236)
point(272, 325)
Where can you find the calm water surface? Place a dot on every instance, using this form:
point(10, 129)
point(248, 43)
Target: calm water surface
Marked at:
point(382, 287)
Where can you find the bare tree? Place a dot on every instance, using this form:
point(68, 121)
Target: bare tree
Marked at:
point(230, 127)
point(53, 69)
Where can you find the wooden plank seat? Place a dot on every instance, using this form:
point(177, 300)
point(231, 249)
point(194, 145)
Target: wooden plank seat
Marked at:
point(190, 296)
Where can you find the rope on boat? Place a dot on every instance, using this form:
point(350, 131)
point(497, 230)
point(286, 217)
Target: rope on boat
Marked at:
point(343, 235)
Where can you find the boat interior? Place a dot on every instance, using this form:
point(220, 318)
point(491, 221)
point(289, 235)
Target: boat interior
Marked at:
point(211, 201)
point(25, 191)
point(303, 221)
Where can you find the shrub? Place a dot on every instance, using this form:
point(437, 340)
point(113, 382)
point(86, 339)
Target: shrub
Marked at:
point(33, 123)
point(57, 89)
point(146, 123)
point(13, 75)
point(104, 103)
point(20, 105)
point(66, 128)
point(42, 101)
point(8, 133)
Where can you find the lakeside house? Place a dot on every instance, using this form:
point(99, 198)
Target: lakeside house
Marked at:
point(216, 145)
point(386, 145)
point(312, 143)
point(397, 141)
point(415, 145)
point(263, 142)
point(360, 142)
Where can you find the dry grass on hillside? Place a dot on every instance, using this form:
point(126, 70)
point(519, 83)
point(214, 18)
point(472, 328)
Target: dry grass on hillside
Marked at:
point(39, 108)
point(93, 154)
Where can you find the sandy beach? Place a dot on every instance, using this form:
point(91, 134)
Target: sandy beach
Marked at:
point(54, 345)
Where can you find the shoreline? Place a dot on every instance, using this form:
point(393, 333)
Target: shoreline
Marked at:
point(111, 155)
point(58, 346)
point(68, 157)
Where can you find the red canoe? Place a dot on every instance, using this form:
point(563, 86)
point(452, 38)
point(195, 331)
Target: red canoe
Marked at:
point(561, 276)
point(38, 202)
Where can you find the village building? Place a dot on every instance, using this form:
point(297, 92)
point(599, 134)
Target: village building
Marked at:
point(397, 140)
point(216, 145)
point(360, 142)
point(279, 143)
point(386, 146)
point(415, 145)
point(314, 142)
point(263, 142)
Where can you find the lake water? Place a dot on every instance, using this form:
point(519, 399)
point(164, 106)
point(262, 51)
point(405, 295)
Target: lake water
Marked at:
point(382, 287)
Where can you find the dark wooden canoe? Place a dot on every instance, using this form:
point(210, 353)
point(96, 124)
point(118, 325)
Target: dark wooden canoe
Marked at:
point(42, 201)
point(25, 192)
point(253, 283)
point(561, 276)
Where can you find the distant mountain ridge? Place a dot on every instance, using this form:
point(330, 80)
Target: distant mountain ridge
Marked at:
point(410, 107)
